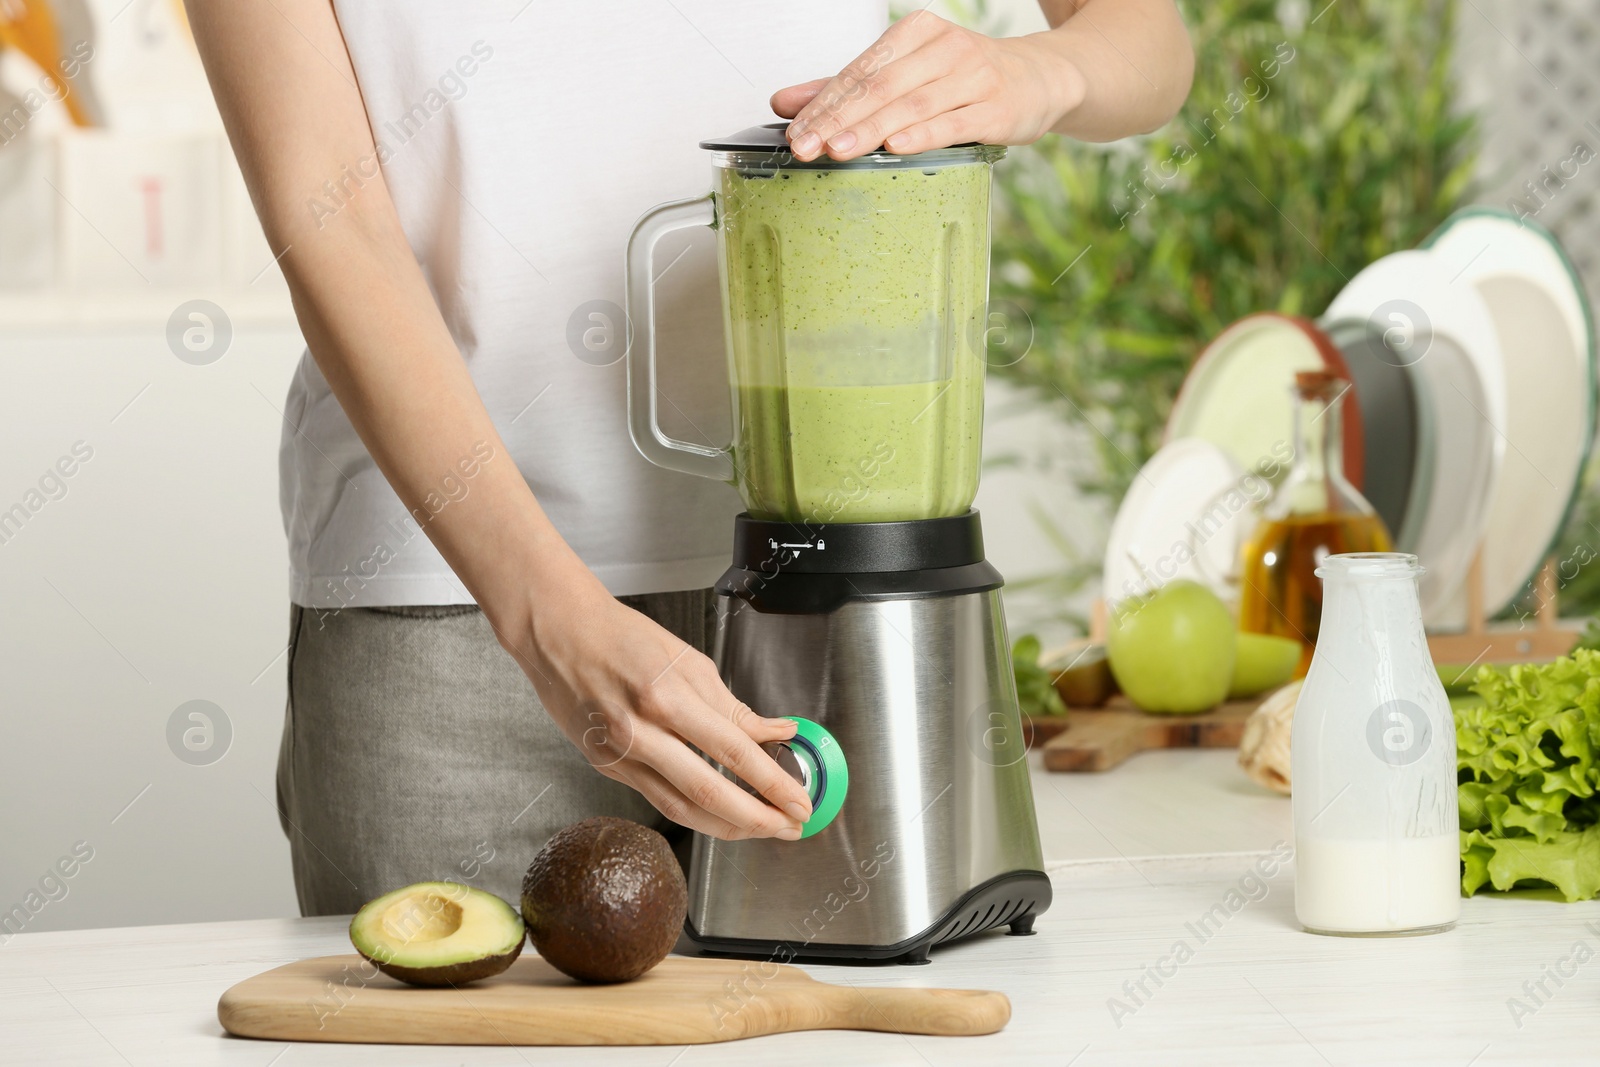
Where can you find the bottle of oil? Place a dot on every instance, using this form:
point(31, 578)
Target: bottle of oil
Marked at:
point(1313, 514)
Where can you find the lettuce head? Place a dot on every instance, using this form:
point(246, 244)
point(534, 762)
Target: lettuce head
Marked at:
point(1527, 777)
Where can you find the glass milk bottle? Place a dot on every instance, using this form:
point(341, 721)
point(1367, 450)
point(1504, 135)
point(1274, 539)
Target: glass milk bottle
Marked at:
point(1374, 761)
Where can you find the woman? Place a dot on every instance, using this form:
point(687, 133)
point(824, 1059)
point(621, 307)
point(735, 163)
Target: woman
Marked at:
point(449, 188)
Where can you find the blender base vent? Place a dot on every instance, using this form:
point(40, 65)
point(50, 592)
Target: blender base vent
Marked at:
point(1012, 900)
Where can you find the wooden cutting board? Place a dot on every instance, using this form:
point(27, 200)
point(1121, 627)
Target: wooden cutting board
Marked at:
point(1098, 739)
point(681, 1002)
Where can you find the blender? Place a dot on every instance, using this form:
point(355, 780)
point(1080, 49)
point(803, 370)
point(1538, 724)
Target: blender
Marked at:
point(859, 601)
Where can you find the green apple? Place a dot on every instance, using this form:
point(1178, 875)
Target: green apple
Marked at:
point(1172, 650)
point(1264, 661)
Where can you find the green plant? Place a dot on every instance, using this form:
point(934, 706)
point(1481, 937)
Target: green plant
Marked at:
point(1304, 153)
point(1036, 691)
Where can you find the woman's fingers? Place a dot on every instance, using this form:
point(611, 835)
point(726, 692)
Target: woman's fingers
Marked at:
point(712, 792)
point(737, 750)
point(761, 729)
point(825, 124)
point(663, 697)
point(670, 802)
point(701, 674)
point(958, 126)
point(927, 84)
point(732, 737)
point(917, 107)
point(893, 66)
point(786, 103)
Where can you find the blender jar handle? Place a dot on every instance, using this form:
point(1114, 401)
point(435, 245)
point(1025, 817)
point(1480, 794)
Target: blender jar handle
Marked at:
point(643, 424)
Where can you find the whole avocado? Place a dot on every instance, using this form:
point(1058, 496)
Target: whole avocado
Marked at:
point(604, 900)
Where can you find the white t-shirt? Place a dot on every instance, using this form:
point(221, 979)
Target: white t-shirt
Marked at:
point(520, 149)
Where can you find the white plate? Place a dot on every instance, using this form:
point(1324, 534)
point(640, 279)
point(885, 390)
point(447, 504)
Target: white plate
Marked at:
point(1185, 516)
point(1544, 329)
point(1238, 395)
point(1464, 473)
point(1408, 297)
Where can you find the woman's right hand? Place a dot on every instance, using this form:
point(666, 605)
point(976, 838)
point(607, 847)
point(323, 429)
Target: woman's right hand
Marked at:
point(633, 698)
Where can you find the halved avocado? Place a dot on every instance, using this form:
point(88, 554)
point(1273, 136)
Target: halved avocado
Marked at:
point(438, 934)
point(1083, 676)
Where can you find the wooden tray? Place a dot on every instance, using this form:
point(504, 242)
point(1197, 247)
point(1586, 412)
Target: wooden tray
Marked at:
point(1037, 729)
point(1098, 739)
point(681, 1002)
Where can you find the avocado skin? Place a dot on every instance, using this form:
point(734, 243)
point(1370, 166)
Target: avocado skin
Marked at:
point(604, 900)
point(452, 975)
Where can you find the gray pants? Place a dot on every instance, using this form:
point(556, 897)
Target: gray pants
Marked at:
point(415, 749)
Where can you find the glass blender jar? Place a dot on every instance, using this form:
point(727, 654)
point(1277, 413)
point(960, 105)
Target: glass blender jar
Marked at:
point(854, 309)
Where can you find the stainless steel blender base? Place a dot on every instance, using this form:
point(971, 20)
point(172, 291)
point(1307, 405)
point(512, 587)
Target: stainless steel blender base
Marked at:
point(937, 839)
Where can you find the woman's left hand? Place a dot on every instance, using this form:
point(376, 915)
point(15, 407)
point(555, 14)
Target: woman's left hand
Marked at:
point(928, 83)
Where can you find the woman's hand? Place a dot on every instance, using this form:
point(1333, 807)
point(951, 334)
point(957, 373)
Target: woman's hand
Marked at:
point(1105, 69)
point(928, 83)
point(633, 698)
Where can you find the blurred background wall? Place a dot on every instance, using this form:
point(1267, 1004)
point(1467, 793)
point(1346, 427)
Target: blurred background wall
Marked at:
point(155, 574)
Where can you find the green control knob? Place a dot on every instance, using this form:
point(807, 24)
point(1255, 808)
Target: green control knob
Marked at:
point(815, 760)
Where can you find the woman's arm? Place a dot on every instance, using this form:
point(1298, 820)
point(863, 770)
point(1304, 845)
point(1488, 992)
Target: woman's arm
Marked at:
point(1105, 69)
point(623, 689)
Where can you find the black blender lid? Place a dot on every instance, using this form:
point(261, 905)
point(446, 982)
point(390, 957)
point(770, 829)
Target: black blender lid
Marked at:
point(768, 137)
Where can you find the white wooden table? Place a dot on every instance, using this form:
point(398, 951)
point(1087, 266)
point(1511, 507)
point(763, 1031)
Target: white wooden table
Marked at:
point(1250, 987)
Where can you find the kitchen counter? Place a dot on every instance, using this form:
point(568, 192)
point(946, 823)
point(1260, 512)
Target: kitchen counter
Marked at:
point(1125, 968)
point(1172, 802)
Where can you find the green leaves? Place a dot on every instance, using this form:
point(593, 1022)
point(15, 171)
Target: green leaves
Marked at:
point(1036, 693)
point(1300, 157)
point(1569, 861)
point(1528, 777)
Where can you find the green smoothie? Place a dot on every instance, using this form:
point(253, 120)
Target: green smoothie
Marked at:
point(855, 318)
point(857, 453)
